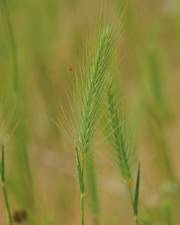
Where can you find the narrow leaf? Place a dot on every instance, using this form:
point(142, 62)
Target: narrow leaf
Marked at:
point(136, 193)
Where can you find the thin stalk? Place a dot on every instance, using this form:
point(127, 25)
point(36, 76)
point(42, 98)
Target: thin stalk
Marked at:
point(134, 195)
point(165, 152)
point(130, 190)
point(80, 171)
point(157, 128)
point(12, 42)
point(3, 180)
point(159, 110)
point(22, 160)
point(82, 208)
point(92, 189)
point(82, 195)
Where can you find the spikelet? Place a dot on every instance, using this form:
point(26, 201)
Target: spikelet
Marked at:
point(93, 87)
point(118, 133)
point(91, 94)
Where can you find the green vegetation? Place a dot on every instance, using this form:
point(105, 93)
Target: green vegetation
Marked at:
point(4, 188)
point(122, 145)
point(122, 117)
point(90, 101)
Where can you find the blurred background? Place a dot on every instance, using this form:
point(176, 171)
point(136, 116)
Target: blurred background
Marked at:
point(42, 45)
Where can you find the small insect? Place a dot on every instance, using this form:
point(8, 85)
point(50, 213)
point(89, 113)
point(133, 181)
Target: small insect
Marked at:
point(71, 68)
point(19, 216)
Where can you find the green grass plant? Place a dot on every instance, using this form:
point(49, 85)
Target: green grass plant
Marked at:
point(3, 183)
point(122, 146)
point(93, 86)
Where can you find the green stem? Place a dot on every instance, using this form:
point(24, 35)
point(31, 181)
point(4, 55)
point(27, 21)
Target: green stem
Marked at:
point(164, 148)
point(82, 208)
point(80, 169)
point(132, 203)
point(12, 42)
point(3, 180)
point(82, 189)
point(157, 130)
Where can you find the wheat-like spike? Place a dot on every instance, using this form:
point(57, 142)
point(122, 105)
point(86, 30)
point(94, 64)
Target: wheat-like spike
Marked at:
point(121, 140)
point(93, 87)
point(90, 95)
point(118, 133)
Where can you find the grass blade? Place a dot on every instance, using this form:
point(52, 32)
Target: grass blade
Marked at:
point(136, 193)
point(3, 180)
point(16, 97)
point(7, 21)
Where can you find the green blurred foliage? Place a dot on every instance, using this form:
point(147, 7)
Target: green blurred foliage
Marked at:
point(41, 48)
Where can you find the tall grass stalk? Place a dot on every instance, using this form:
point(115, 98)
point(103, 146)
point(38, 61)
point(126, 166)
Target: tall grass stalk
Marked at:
point(157, 131)
point(121, 141)
point(16, 97)
point(4, 189)
point(155, 81)
point(93, 192)
point(92, 89)
point(157, 111)
point(8, 25)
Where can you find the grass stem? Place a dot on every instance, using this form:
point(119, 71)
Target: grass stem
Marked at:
point(82, 207)
point(12, 42)
point(4, 190)
point(132, 203)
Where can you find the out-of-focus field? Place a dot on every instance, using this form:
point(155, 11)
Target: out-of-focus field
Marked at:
point(51, 39)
